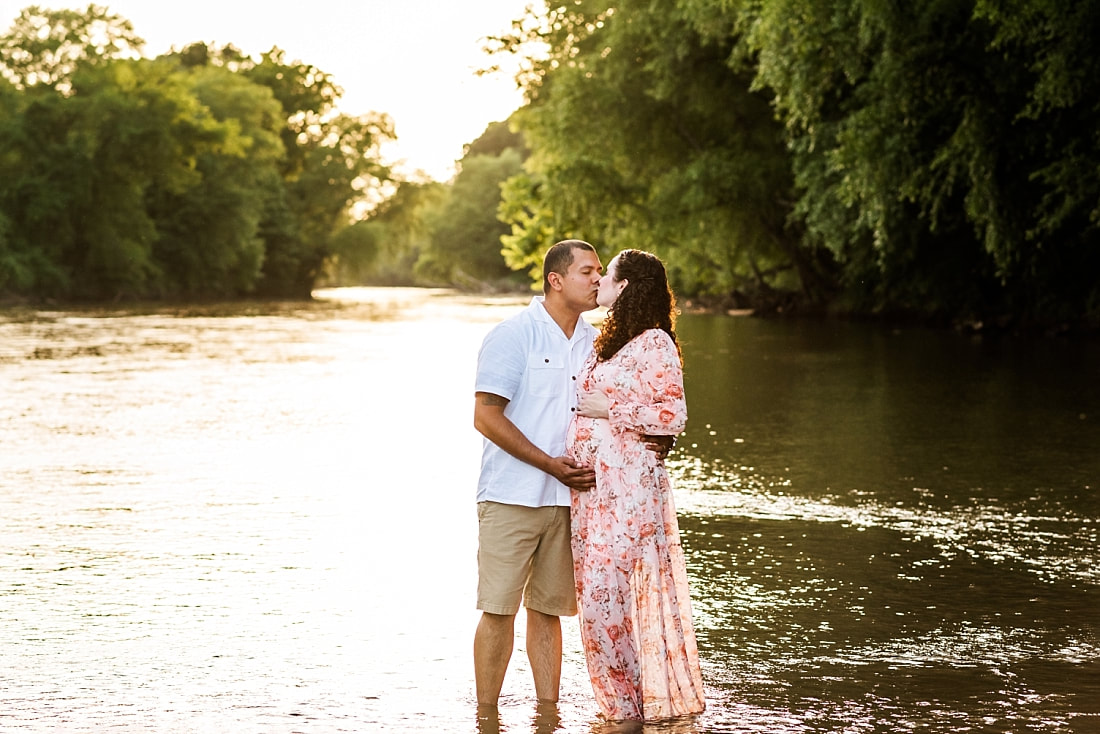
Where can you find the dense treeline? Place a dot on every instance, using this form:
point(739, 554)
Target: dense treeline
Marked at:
point(936, 158)
point(445, 234)
point(201, 173)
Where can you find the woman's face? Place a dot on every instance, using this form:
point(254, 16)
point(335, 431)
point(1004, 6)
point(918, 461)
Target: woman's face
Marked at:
point(610, 287)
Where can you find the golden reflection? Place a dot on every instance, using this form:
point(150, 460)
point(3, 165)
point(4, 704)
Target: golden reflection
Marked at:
point(546, 720)
point(682, 725)
point(488, 720)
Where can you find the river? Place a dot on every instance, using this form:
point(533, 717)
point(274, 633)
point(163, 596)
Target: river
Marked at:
point(259, 517)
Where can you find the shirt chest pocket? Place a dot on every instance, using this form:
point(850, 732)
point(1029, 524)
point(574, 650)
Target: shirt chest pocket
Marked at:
point(545, 375)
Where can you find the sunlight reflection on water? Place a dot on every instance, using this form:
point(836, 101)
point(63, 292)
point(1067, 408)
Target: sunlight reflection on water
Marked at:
point(260, 517)
point(1049, 545)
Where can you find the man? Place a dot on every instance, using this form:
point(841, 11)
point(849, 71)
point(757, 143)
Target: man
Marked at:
point(525, 393)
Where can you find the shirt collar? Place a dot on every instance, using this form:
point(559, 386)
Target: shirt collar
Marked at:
point(538, 308)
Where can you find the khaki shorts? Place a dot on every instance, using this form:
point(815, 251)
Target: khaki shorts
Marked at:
point(524, 552)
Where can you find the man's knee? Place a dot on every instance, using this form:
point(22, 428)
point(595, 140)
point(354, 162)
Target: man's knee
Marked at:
point(494, 618)
point(541, 617)
point(497, 623)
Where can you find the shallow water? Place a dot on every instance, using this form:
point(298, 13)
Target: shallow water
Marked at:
point(259, 517)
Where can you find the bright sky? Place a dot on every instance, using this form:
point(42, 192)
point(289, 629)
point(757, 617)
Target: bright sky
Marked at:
point(412, 59)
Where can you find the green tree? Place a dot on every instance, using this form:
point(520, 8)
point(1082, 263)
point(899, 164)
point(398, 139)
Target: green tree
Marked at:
point(332, 162)
point(18, 271)
point(121, 181)
point(403, 234)
point(465, 244)
point(1059, 260)
point(531, 222)
point(85, 163)
point(130, 128)
point(644, 135)
point(935, 158)
point(497, 138)
point(209, 234)
point(204, 172)
point(939, 147)
point(355, 251)
point(46, 141)
point(44, 47)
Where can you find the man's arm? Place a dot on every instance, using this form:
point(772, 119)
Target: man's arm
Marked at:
point(660, 445)
point(490, 421)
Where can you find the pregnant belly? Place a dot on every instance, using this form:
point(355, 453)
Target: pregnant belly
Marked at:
point(586, 437)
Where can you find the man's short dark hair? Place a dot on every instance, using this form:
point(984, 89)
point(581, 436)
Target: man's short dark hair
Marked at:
point(558, 259)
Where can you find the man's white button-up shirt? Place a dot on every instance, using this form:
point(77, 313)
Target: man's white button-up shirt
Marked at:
point(529, 361)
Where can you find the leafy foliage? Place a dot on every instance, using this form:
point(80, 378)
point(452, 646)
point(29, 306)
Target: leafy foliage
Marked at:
point(465, 232)
point(449, 234)
point(200, 173)
point(643, 135)
point(330, 160)
point(937, 130)
point(209, 238)
point(935, 158)
point(45, 47)
point(403, 233)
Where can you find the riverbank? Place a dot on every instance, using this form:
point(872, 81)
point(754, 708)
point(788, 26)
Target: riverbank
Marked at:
point(776, 305)
point(779, 305)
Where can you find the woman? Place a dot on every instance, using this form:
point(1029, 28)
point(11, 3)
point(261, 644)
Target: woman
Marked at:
point(632, 588)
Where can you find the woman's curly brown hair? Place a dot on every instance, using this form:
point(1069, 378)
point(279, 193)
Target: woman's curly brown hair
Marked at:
point(645, 303)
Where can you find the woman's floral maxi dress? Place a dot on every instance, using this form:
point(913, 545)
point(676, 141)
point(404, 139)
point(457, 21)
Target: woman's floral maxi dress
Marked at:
point(632, 588)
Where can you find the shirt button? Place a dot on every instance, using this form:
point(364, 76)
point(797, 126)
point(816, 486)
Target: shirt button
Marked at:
point(574, 377)
point(573, 410)
point(546, 361)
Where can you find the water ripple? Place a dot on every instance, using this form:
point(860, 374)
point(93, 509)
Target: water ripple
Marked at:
point(1061, 544)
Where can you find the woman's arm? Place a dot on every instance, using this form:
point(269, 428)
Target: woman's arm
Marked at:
point(651, 399)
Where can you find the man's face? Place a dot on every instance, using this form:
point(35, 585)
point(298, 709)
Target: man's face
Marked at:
point(582, 280)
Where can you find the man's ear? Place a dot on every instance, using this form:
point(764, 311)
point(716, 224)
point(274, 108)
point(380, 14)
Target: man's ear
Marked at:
point(554, 279)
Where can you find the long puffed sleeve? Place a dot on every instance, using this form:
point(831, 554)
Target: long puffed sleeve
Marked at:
point(647, 394)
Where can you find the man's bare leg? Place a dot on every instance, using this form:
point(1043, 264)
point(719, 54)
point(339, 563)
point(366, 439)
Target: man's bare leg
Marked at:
point(492, 651)
point(544, 652)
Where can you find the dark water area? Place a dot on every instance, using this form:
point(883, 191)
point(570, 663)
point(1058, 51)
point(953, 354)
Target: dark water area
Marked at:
point(899, 529)
point(260, 517)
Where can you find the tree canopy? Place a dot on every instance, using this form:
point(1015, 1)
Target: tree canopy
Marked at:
point(935, 158)
point(200, 173)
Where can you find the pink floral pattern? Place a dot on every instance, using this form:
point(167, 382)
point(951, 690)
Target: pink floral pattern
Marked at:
point(632, 590)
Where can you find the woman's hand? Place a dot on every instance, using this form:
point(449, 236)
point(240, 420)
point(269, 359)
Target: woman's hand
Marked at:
point(592, 404)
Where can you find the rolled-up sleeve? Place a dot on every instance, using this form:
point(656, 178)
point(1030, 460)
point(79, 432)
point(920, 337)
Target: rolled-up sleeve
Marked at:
point(501, 362)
